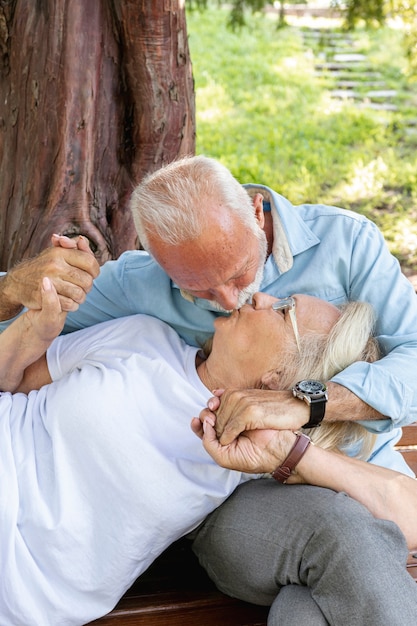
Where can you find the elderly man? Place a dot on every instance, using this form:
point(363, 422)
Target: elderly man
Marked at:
point(210, 244)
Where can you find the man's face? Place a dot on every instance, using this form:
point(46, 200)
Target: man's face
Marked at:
point(224, 265)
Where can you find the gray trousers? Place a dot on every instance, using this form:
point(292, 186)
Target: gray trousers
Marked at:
point(316, 556)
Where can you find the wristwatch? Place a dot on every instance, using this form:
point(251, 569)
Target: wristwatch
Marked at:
point(314, 393)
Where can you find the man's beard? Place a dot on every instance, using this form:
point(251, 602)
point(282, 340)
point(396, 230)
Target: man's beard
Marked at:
point(245, 295)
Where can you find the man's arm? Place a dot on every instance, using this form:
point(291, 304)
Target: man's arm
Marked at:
point(245, 410)
point(69, 264)
point(388, 384)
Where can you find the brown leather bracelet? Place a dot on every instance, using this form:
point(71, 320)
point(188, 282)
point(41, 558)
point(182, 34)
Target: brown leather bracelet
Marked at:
point(282, 473)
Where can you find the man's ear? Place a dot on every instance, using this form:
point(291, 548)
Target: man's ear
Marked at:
point(272, 379)
point(257, 202)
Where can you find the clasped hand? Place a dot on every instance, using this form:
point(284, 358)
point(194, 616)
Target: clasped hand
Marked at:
point(250, 430)
point(68, 263)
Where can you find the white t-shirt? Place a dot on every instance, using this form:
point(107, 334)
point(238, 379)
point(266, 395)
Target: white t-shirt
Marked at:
point(100, 471)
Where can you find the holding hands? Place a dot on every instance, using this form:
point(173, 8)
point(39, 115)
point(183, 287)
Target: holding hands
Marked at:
point(241, 410)
point(252, 452)
point(50, 285)
point(69, 264)
point(24, 343)
point(242, 435)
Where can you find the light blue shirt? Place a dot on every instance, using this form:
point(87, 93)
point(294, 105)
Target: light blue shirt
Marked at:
point(323, 251)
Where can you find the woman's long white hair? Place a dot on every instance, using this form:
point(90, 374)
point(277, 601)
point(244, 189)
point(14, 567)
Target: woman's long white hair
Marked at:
point(322, 357)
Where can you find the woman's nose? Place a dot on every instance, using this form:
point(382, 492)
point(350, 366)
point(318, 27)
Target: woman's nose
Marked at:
point(262, 300)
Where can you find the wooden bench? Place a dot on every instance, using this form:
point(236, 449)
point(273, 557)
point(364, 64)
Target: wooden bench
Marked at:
point(408, 447)
point(176, 591)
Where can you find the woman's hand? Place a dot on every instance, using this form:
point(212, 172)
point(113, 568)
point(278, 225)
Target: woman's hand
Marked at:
point(24, 343)
point(253, 452)
point(46, 323)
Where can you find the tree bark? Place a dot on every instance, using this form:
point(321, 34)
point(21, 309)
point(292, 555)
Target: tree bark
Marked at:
point(94, 94)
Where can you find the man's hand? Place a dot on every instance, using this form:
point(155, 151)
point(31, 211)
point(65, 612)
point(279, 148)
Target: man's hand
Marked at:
point(238, 411)
point(69, 264)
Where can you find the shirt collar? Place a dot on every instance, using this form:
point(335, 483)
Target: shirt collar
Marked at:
point(281, 250)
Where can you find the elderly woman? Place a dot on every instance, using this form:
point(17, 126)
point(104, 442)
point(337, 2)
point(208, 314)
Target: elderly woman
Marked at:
point(102, 469)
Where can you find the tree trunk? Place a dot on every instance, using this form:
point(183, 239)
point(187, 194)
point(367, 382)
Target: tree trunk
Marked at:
point(94, 94)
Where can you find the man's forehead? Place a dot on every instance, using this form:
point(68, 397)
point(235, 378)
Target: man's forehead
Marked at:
point(207, 261)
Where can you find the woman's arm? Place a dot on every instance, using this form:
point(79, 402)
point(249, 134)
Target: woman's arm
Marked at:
point(24, 343)
point(386, 493)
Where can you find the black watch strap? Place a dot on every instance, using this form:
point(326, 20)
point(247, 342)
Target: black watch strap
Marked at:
point(317, 410)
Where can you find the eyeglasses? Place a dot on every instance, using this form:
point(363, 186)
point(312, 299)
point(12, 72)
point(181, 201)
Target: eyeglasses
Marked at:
point(284, 303)
point(289, 305)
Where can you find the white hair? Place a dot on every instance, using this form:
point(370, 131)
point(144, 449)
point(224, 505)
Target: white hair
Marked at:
point(322, 357)
point(172, 202)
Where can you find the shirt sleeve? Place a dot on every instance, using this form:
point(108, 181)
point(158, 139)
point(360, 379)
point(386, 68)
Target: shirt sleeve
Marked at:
point(390, 384)
point(108, 298)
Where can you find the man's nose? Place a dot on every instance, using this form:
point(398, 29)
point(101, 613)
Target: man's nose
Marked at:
point(227, 296)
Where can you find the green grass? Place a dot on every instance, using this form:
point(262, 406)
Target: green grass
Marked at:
point(264, 112)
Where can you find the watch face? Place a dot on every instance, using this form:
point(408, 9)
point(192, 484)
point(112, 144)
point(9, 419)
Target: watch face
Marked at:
point(311, 386)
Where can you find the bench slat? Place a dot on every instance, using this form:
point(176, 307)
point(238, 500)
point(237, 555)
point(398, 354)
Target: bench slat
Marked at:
point(409, 436)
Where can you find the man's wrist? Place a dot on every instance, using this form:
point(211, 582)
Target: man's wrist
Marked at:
point(8, 308)
point(344, 405)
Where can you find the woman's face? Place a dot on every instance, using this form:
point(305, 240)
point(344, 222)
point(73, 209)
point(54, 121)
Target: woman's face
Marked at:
point(256, 338)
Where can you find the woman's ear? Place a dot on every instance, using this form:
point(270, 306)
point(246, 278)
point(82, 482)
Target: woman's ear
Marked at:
point(272, 379)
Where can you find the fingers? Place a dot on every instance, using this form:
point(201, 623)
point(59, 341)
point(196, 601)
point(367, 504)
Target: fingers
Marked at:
point(46, 321)
point(84, 245)
point(51, 306)
point(68, 266)
point(61, 241)
point(197, 427)
point(71, 266)
point(236, 414)
point(211, 443)
point(207, 414)
point(213, 403)
point(48, 291)
point(75, 243)
point(72, 272)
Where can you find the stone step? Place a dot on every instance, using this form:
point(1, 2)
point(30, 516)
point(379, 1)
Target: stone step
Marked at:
point(378, 106)
point(382, 93)
point(339, 67)
point(356, 95)
point(326, 34)
point(351, 84)
point(345, 93)
point(351, 76)
point(349, 57)
point(340, 50)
